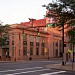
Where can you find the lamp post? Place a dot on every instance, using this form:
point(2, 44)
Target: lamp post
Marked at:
point(63, 63)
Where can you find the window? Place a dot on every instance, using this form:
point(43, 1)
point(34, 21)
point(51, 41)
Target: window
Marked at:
point(37, 51)
point(6, 37)
point(56, 44)
point(37, 43)
point(12, 35)
point(12, 42)
point(25, 37)
point(31, 43)
point(31, 51)
point(6, 42)
point(31, 38)
point(43, 44)
point(12, 50)
point(24, 50)
point(24, 42)
point(37, 39)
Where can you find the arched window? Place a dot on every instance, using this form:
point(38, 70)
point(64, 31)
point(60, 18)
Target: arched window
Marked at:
point(24, 50)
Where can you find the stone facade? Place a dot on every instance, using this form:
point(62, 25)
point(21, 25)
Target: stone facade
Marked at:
point(25, 43)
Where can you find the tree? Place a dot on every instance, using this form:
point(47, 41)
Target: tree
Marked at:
point(64, 12)
point(71, 34)
point(3, 30)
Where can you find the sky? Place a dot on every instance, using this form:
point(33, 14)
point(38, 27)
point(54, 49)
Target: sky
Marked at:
point(17, 11)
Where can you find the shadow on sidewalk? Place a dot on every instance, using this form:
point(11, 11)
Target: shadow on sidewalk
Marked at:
point(67, 66)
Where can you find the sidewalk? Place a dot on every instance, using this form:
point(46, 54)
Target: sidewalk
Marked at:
point(68, 66)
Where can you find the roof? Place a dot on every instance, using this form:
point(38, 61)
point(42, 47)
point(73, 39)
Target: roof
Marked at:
point(40, 22)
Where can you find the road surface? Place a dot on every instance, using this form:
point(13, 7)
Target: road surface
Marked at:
point(31, 68)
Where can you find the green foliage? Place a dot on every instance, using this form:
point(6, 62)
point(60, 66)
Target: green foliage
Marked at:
point(3, 29)
point(2, 40)
point(71, 34)
point(65, 10)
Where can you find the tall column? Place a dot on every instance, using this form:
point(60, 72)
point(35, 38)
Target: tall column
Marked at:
point(20, 50)
point(10, 45)
point(18, 45)
point(28, 44)
point(54, 53)
point(15, 46)
point(50, 45)
point(58, 48)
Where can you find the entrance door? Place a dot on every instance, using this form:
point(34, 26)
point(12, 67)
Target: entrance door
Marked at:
point(5, 53)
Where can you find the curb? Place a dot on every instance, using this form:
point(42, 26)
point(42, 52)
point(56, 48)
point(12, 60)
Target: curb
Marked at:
point(59, 67)
point(63, 69)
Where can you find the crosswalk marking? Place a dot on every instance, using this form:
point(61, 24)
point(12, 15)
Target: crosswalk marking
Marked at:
point(53, 73)
point(21, 69)
point(30, 70)
point(27, 72)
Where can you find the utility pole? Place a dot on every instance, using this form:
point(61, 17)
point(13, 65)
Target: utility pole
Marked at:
point(63, 63)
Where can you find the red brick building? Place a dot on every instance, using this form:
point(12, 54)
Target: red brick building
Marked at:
point(33, 40)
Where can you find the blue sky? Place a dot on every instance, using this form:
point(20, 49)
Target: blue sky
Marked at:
point(16, 11)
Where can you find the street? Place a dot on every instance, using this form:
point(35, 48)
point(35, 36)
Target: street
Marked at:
point(31, 68)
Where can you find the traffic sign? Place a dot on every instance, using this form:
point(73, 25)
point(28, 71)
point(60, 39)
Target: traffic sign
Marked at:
point(50, 25)
point(64, 44)
point(69, 50)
